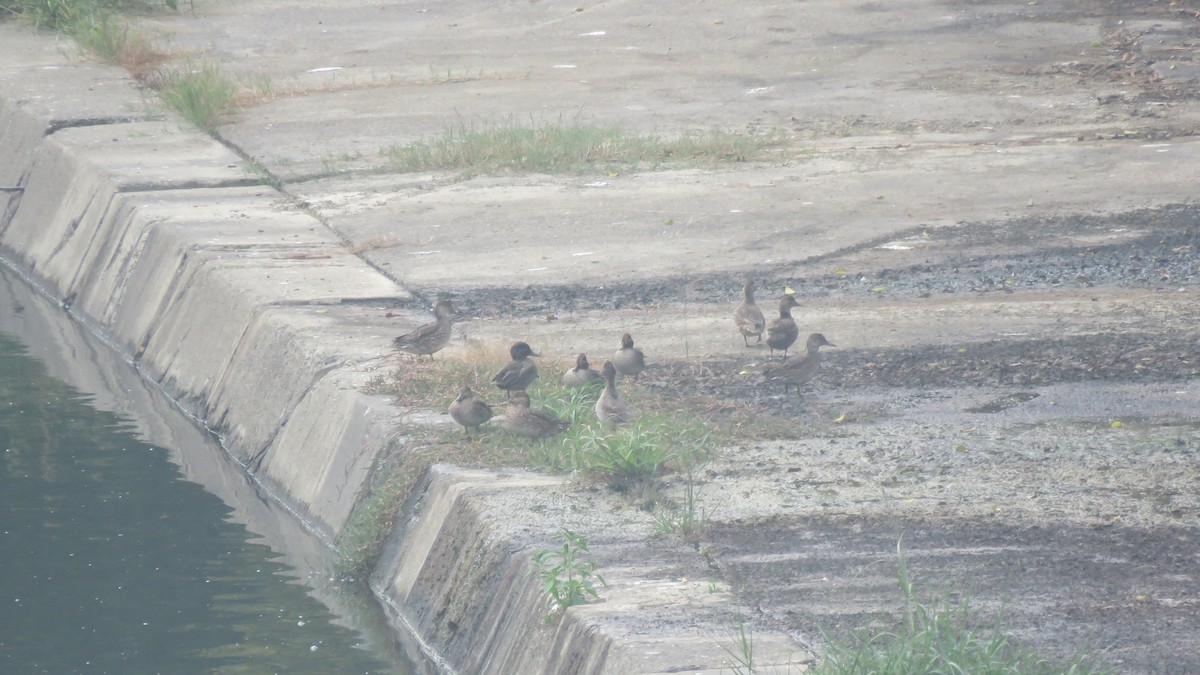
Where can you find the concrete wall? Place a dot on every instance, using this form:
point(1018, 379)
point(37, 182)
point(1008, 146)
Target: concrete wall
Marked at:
point(159, 235)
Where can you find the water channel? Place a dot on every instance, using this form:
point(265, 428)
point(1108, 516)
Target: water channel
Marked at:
point(131, 543)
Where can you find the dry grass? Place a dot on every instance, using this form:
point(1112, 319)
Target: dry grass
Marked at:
point(422, 382)
point(373, 244)
point(262, 90)
point(114, 40)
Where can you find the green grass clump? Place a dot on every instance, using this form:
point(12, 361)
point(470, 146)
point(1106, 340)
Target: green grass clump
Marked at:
point(627, 458)
point(362, 539)
point(66, 15)
point(941, 639)
point(201, 94)
point(568, 148)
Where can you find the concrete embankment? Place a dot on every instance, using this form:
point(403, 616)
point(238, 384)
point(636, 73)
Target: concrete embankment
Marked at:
point(248, 312)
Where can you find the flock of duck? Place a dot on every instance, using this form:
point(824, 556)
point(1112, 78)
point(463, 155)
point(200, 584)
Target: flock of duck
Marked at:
point(628, 361)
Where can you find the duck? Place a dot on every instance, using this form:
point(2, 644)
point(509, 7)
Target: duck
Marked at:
point(783, 331)
point(610, 407)
point(523, 420)
point(801, 368)
point(469, 411)
point(629, 360)
point(518, 373)
point(748, 317)
point(581, 375)
point(431, 337)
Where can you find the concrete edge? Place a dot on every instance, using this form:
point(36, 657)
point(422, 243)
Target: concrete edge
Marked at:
point(457, 572)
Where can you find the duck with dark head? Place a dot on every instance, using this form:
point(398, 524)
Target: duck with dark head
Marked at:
point(518, 373)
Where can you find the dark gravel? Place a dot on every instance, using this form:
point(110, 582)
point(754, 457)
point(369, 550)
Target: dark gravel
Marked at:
point(986, 257)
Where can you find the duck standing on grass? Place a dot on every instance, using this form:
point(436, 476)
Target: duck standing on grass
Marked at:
point(518, 373)
point(783, 331)
point(581, 375)
point(469, 411)
point(748, 317)
point(801, 368)
point(431, 337)
point(523, 420)
point(629, 360)
point(610, 407)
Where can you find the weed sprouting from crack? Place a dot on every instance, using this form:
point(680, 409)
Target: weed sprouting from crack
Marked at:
point(566, 576)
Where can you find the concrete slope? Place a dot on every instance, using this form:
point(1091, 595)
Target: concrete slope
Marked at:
point(245, 310)
point(157, 234)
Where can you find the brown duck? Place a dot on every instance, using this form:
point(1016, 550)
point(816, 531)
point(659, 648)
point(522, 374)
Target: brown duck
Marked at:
point(629, 360)
point(799, 369)
point(783, 331)
point(581, 375)
point(518, 373)
point(469, 411)
point(610, 407)
point(431, 337)
point(748, 317)
point(523, 420)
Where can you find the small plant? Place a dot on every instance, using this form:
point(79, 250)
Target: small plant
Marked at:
point(742, 649)
point(683, 520)
point(201, 94)
point(940, 639)
point(566, 577)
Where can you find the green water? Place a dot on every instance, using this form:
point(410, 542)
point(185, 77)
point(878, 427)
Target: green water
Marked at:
point(110, 562)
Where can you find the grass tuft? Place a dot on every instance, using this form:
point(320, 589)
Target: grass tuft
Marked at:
point(201, 94)
point(113, 40)
point(363, 537)
point(941, 639)
point(627, 459)
point(741, 652)
point(568, 148)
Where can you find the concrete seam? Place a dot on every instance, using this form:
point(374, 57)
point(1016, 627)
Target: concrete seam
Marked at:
point(303, 205)
point(255, 461)
point(193, 185)
point(58, 125)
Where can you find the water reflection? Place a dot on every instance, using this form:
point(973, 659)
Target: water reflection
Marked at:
point(110, 561)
